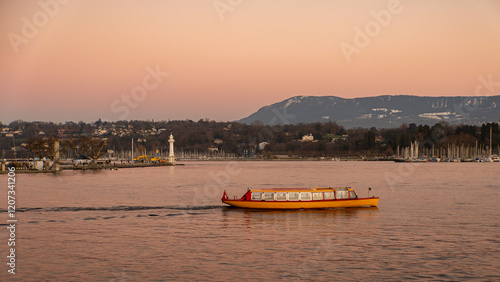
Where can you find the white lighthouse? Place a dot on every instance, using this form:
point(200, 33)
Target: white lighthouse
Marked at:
point(171, 156)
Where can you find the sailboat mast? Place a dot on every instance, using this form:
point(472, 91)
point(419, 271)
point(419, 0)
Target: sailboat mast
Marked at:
point(491, 131)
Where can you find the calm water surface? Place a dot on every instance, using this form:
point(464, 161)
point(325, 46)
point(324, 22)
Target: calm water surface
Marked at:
point(435, 221)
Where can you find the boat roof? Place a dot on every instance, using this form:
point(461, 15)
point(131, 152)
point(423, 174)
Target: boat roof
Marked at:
point(316, 189)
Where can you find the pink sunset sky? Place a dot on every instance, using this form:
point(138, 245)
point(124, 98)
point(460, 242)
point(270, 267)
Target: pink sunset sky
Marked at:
point(78, 60)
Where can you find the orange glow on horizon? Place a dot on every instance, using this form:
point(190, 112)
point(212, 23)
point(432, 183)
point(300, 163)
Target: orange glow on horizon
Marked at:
point(89, 53)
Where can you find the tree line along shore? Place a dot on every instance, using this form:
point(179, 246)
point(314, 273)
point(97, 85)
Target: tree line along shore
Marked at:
point(207, 139)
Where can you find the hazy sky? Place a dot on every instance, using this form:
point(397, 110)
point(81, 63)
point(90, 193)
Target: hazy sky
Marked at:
point(224, 59)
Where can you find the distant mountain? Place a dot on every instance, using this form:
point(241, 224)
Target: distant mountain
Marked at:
point(381, 111)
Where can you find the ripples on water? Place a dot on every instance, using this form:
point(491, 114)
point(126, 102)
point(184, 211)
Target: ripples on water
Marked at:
point(434, 222)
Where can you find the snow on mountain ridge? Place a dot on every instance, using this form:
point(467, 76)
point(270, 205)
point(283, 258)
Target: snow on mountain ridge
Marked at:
point(380, 111)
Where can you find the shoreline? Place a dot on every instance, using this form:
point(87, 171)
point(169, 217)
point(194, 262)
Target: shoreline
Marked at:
point(115, 166)
point(91, 167)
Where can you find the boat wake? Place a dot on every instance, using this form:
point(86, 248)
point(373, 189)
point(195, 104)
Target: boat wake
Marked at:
point(115, 208)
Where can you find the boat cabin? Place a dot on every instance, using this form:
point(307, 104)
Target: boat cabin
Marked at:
point(300, 194)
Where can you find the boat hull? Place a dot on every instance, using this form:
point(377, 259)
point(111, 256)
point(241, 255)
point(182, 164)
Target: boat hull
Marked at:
point(295, 205)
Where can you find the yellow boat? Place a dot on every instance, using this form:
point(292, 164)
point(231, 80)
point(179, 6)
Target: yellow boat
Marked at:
point(300, 198)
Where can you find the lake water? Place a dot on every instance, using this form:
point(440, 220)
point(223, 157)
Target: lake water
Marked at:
point(435, 221)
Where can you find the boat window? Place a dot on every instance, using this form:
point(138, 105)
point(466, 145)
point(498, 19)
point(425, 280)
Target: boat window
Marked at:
point(293, 196)
point(329, 196)
point(269, 196)
point(281, 196)
point(317, 196)
point(305, 196)
point(256, 195)
point(342, 194)
point(352, 195)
